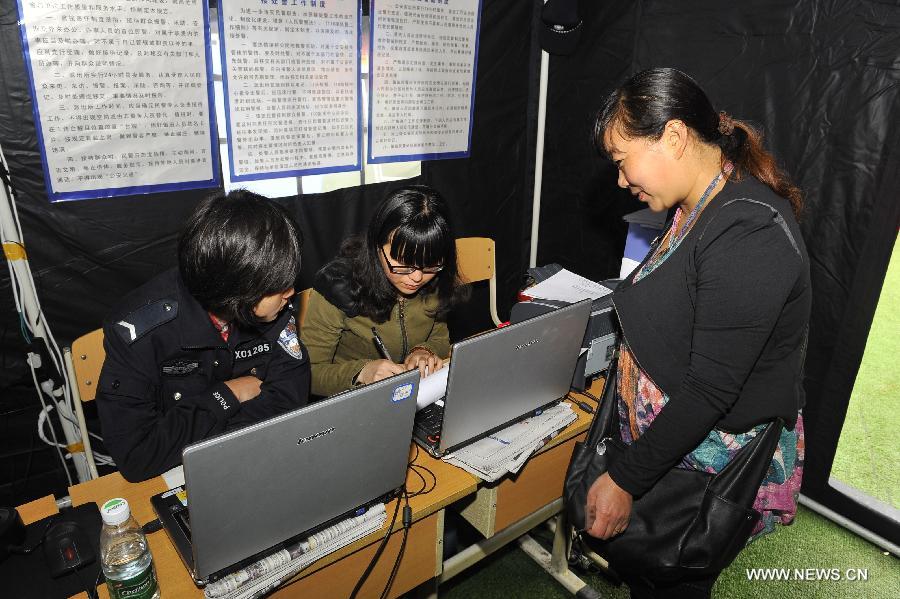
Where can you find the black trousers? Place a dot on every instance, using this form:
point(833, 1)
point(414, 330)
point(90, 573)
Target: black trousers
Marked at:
point(692, 589)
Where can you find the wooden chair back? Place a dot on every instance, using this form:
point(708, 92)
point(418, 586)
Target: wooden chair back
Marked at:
point(476, 260)
point(87, 359)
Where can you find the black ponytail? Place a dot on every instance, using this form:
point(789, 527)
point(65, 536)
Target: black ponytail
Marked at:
point(643, 105)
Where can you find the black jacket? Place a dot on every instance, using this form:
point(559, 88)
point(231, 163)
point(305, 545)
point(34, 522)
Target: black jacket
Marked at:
point(720, 327)
point(162, 385)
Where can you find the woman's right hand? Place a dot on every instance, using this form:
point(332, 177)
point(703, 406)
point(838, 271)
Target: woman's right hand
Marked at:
point(608, 508)
point(377, 370)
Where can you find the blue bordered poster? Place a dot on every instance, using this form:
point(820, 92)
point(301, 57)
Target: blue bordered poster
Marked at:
point(290, 72)
point(422, 67)
point(122, 95)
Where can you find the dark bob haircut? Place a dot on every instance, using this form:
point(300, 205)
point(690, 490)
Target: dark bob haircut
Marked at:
point(648, 100)
point(415, 220)
point(237, 249)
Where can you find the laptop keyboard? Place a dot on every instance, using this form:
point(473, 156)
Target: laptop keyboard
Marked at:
point(183, 519)
point(428, 422)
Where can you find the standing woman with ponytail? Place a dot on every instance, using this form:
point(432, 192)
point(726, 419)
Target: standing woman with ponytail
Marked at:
point(714, 320)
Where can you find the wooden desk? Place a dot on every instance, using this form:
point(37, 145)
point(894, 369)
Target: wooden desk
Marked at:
point(37, 509)
point(508, 509)
point(332, 576)
point(495, 507)
point(499, 504)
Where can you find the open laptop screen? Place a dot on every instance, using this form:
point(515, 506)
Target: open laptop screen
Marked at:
point(253, 488)
point(497, 377)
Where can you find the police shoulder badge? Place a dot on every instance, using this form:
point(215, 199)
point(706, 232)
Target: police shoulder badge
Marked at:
point(288, 340)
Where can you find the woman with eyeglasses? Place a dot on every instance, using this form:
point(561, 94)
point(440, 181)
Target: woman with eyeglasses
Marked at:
point(380, 307)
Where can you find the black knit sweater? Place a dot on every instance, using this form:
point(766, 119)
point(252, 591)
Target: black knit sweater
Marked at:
point(720, 326)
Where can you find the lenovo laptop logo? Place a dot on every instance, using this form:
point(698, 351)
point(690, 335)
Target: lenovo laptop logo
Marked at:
point(303, 440)
point(528, 344)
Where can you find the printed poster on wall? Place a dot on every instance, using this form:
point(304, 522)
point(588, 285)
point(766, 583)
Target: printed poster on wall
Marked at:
point(423, 56)
point(292, 91)
point(122, 95)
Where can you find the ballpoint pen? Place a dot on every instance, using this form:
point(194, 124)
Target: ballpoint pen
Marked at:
point(380, 345)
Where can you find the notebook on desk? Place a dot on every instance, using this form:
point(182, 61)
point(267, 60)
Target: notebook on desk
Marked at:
point(254, 489)
point(502, 376)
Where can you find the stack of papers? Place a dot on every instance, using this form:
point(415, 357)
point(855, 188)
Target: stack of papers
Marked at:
point(507, 450)
point(263, 576)
point(568, 287)
point(432, 388)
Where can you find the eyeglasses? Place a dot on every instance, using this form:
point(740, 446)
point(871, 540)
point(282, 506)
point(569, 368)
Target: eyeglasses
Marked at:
point(402, 269)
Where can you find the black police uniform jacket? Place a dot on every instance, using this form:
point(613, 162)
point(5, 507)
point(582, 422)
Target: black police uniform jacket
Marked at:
point(162, 385)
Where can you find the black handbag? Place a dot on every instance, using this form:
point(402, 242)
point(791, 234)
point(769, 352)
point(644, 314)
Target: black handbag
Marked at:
point(690, 524)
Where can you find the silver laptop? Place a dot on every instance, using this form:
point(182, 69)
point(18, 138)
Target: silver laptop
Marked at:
point(252, 489)
point(502, 376)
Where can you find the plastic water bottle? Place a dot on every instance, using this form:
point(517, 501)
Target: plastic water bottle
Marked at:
point(125, 555)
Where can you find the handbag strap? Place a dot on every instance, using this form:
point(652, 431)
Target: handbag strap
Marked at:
point(740, 480)
point(607, 413)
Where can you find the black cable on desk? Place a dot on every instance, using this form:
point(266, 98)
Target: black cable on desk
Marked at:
point(407, 523)
point(585, 406)
point(91, 591)
point(152, 526)
point(427, 487)
point(587, 393)
point(378, 552)
point(23, 550)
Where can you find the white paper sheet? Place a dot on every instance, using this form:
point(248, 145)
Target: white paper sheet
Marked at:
point(174, 477)
point(422, 76)
point(123, 95)
point(566, 286)
point(432, 388)
point(291, 85)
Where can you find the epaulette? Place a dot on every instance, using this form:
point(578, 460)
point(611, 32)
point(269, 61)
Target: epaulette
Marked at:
point(146, 318)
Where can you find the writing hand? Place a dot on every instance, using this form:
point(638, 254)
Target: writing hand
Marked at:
point(377, 370)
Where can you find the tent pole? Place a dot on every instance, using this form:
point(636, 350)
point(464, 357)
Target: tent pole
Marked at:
point(849, 525)
point(539, 158)
point(20, 276)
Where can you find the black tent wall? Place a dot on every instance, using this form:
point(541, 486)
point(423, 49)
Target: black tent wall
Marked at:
point(86, 254)
point(820, 78)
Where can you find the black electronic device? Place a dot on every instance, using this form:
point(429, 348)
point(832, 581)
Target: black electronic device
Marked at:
point(599, 336)
point(12, 531)
point(28, 574)
point(67, 548)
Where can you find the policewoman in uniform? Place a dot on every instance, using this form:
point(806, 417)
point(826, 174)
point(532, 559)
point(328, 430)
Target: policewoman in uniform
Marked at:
point(209, 346)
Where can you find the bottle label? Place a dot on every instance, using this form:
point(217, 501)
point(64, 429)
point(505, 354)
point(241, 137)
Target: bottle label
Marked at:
point(140, 586)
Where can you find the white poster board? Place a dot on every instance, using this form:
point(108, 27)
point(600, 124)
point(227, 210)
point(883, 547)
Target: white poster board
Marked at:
point(122, 95)
point(290, 70)
point(423, 56)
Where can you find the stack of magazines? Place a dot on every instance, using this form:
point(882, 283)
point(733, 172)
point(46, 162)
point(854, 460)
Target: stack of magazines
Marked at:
point(263, 576)
point(507, 450)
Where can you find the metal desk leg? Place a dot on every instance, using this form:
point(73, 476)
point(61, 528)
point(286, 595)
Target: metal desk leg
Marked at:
point(557, 564)
point(585, 550)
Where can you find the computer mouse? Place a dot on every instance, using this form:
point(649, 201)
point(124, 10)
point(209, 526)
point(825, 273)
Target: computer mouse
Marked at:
point(67, 548)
